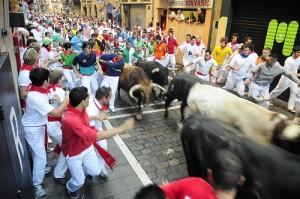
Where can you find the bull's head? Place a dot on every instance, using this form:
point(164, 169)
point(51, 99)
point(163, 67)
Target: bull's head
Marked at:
point(145, 92)
point(160, 75)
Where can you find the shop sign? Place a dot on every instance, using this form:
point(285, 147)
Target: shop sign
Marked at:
point(190, 3)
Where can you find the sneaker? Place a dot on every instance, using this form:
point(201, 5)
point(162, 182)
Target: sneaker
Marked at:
point(104, 174)
point(62, 181)
point(47, 170)
point(39, 191)
point(73, 195)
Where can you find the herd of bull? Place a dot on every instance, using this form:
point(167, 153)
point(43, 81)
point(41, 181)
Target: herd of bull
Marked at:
point(267, 143)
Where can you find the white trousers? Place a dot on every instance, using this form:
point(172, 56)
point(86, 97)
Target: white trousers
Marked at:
point(204, 77)
point(55, 133)
point(171, 60)
point(90, 82)
point(283, 84)
point(297, 100)
point(35, 137)
point(84, 163)
point(112, 82)
point(236, 84)
point(70, 77)
point(260, 92)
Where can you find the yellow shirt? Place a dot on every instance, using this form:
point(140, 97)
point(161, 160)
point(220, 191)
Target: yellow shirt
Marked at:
point(219, 54)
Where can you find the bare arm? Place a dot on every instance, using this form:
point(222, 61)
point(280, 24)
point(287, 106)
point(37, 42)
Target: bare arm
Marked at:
point(23, 91)
point(59, 111)
point(127, 125)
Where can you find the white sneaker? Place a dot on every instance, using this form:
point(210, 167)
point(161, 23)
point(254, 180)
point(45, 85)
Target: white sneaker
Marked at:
point(103, 174)
point(112, 110)
point(39, 191)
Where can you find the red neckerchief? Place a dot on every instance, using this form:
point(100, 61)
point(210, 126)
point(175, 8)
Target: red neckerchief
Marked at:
point(26, 67)
point(53, 86)
point(38, 89)
point(103, 108)
point(37, 29)
point(48, 49)
point(115, 59)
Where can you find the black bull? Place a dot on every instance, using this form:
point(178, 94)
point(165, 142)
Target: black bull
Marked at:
point(271, 173)
point(155, 72)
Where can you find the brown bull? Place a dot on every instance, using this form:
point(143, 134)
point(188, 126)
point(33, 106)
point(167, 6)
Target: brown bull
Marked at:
point(139, 87)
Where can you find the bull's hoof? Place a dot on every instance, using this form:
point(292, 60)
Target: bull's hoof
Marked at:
point(138, 116)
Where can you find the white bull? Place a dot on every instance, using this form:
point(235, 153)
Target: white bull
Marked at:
point(251, 119)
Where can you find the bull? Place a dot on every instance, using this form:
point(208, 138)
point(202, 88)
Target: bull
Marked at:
point(138, 86)
point(155, 72)
point(271, 173)
point(179, 89)
point(251, 119)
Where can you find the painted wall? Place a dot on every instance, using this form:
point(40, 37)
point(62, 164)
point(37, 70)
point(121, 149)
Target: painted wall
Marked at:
point(183, 28)
point(6, 45)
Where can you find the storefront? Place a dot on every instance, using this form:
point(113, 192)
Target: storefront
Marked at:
point(190, 17)
point(136, 12)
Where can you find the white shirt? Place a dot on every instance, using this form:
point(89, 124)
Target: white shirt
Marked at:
point(199, 49)
point(60, 93)
point(203, 66)
point(189, 51)
point(292, 65)
point(23, 78)
point(37, 109)
point(45, 55)
point(93, 110)
point(37, 35)
point(253, 57)
point(244, 65)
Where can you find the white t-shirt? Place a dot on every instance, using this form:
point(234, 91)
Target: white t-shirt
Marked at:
point(93, 110)
point(45, 55)
point(199, 49)
point(244, 65)
point(292, 65)
point(203, 66)
point(60, 93)
point(23, 78)
point(189, 51)
point(37, 109)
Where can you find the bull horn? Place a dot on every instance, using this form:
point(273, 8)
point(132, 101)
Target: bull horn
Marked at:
point(172, 69)
point(158, 86)
point(156, 70)
point(291, 132)
point(170, 78)
point(134, 88)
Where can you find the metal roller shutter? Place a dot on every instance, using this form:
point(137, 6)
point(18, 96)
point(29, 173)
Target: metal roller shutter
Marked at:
point(270, 23)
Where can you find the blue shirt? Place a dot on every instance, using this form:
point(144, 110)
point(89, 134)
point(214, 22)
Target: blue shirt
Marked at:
point(86, 63)
point(113, 68)
point(77, 43)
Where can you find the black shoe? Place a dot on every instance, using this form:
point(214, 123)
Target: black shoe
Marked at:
point(73, 195)
point(61, 181)
point(103, 175)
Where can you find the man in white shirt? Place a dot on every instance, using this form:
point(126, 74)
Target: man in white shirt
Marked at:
point(34, 123)
point(291, 64)
point(203, 65)
point(189, 53)
point(98, 106)
point(239, 67)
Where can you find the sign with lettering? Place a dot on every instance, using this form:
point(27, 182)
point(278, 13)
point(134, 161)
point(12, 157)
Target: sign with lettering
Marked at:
point(190, 3)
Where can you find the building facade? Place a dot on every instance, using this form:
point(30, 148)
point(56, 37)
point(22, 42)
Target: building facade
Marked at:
point(100, 9)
